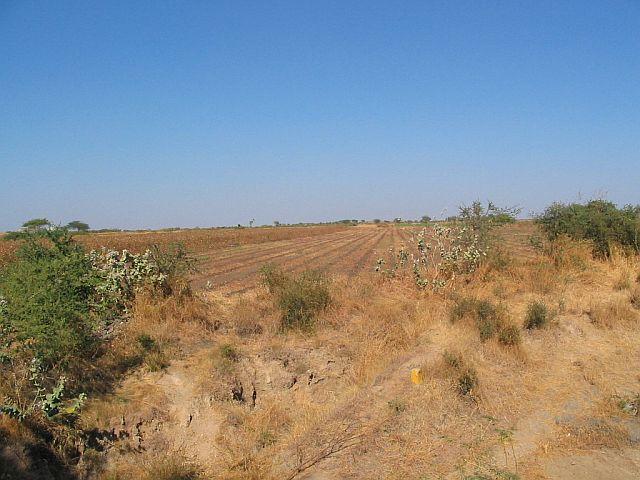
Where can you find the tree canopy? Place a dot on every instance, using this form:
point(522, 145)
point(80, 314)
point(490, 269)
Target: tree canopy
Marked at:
point(78, 226)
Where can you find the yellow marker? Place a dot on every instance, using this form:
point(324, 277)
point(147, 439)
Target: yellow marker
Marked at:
point(416, 376)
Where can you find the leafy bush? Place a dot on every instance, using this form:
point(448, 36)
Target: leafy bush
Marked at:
point(599, 221)
point(463, 307)
point(48, 293)
point(509, 335)
point(467, 381)
point(299, 298)
point(537, 316)
point(480, 220)
point(466, 377)
point(55, 302)
point(487, 317)
point(447, 251)
point(122, 274)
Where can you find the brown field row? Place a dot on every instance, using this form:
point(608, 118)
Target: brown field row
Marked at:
point(349, 252)
point(195, 240)
point(230, 259)
point(236, 270)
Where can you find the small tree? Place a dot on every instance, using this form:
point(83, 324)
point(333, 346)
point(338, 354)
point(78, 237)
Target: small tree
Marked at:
point(479, 220)
point(48, 292)
point(600, 221)
point(36, 224)
point(376, 220)
point(78, 226)
point(276, 223)
point(425, 219)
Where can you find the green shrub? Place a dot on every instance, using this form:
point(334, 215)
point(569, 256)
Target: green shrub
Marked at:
point(486, 315)
point(487, 319)
point(452, 359)
point(48, 292)
point(509, 335)
point(299, 298)
point(479, 221)
point(537, 316)
point(465, 375)
point(467, 381)
point(462, 308)
point(598, 220)
point(229, 352)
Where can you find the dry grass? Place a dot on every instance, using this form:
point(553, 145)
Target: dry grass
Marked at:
point(634, 297)
point(155, 467)
point(612, 313)
point(591, 434)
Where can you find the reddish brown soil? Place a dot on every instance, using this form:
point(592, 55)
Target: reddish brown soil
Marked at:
point(346, 252)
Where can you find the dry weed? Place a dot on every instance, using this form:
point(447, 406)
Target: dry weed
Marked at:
point(612, 313)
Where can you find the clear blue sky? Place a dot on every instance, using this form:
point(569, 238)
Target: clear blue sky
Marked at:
point(149, 114)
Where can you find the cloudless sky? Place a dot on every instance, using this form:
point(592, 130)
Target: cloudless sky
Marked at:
point(153, 114)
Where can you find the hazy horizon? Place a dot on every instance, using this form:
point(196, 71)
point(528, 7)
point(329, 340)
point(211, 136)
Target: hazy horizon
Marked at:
point(157, 115)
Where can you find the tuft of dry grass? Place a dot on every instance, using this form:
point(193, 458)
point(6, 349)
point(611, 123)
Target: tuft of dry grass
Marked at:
point(248, 318)
point(156, 467)
point(634, 297)
point(591, 434)
point(383, 328)
point(612, 313)
point(623, 281)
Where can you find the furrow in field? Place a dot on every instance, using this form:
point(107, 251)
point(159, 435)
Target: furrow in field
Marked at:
point(341, 258)
point(239, 252)
point(365, 262)
point(319, 261)
point(260, 257)
point(244, 272)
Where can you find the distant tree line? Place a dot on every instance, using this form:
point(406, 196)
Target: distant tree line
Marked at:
point(40, 225)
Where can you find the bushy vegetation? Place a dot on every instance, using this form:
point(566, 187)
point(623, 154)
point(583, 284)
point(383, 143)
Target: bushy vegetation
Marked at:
point(599, 221)
point(509, 335)
point(57, 306)
point(300, 298)
point(488, 318)
point(537, 316)
point(466, 377)
point(479, 220)
point(437, 256)
point(48, 293)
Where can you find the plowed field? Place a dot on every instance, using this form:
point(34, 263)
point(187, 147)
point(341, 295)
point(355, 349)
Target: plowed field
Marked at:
point(349, 252)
